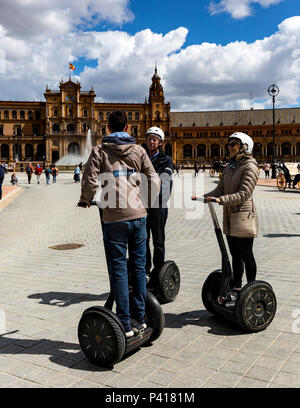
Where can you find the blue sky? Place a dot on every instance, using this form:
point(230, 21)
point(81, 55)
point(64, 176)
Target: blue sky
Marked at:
point(164, 16)
point(211, 53)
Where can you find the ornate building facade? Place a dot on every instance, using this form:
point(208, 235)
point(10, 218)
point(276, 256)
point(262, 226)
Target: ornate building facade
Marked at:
point(47, 131)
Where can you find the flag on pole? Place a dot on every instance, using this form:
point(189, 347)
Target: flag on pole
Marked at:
point(71, 66)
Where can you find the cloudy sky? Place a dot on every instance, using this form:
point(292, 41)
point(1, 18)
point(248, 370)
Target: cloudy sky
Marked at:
point(211, 54)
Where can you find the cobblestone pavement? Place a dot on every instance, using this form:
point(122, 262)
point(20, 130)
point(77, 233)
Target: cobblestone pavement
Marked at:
point(44, 292)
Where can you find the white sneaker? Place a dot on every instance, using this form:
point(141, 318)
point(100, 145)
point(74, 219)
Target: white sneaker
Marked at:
point(129, 334)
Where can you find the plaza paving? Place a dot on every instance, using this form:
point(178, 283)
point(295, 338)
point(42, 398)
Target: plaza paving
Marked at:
point(44, 292)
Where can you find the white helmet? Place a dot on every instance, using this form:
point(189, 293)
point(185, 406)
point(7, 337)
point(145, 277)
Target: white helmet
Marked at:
point(245, 140)
point(156, 131)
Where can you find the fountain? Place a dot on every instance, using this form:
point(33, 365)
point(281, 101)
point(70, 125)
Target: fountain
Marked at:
point(72, 159)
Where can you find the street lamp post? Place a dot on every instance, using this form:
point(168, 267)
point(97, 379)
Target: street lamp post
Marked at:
point(273, 91)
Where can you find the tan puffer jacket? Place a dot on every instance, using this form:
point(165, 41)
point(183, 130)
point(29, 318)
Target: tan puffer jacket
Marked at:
point(235, 190)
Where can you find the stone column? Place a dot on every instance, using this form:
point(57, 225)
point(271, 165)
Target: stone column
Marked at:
point(22, 151)
point(208, 149)
point(11, 152)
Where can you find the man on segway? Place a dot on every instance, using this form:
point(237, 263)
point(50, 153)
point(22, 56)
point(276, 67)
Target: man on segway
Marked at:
point(157, 215)
point(120, 162)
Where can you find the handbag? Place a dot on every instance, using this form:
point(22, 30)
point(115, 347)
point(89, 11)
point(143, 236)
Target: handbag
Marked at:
point(243, 224)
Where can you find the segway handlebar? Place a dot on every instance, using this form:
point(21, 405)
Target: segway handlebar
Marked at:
point(211, 209)
point(204, 199)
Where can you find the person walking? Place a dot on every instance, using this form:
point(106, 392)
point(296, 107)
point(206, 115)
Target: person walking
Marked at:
point(2, 174)
point(176, 167)
point(203, 168)
point(267, 168)
point(121, 164)
point(38, 171)
point(196, 168)
point(29, 171)
point(48, 172)
point(54, 173)
point(77, 174)
point(158, 214)
point(240, 221)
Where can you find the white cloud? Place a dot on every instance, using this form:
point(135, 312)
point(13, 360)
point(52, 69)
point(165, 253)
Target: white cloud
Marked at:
point(198, 77)
point(238, 9)
point(38, 19)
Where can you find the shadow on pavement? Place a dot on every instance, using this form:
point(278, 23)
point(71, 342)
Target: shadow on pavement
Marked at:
point(63, 299)
point(203, 318)
point(61, 353)
point(281, 235)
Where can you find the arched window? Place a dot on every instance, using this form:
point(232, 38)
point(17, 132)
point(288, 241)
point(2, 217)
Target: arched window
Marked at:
point(55, 112)
point(187, 151)
point(70, 128)
point(14, 114)
point(136, 116)
point(30, 117)
point(257, 149)
point(270, 149)
point(74, 149)
point(22, 114)
point(201, 150)
point(71, 113)
point(129, 116)
point(168, 149)
point(286, 148)
point(38, 115)
point(85, 113)
point(107, 115)
point(28, 151)
point(41, 151)
point(4, 151)
point(215, 150)
point(100, 115)
point(6, 114)
point(55, 128)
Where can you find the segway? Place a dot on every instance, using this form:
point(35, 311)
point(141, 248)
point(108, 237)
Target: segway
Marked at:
point(102, 336)
point(255, 306)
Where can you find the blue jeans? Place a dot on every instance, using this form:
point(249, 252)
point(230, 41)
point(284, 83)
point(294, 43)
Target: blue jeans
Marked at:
point(54, 179)
point(47, 179)
point(116, 237)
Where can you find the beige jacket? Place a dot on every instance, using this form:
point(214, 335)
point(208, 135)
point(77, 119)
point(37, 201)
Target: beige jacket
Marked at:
point(123, 196)
point(235, 190)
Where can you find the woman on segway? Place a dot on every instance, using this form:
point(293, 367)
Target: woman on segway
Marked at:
point(240, 221)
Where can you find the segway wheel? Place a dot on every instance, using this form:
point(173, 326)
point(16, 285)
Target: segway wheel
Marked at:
point(154, 316)
point(169, 282)
point(210, 291)
point(281, 182)
point(256, 306)
point(101, 338)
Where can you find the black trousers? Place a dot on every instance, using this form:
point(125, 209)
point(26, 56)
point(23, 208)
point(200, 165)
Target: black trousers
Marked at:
point(156, 222)
point(242, 255)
